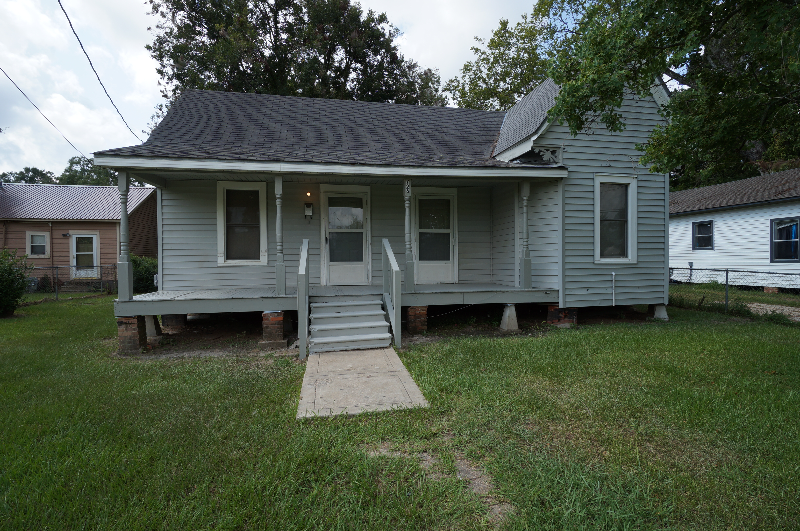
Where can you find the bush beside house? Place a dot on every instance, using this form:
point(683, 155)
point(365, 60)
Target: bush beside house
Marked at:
point(144, 271)
point(13, 281)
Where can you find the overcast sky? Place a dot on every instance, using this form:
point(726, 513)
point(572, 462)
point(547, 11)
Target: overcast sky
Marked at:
point(39, 52)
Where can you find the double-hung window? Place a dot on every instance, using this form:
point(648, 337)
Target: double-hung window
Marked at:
point(37, 244)
point(241, 223)
point(785, 240)
point(615, 210)
point(703, 236)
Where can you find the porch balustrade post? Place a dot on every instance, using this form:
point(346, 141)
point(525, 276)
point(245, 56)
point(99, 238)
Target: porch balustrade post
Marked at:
point(525, 265)
point(280, 266)
point(124, 269)
point(409, 278)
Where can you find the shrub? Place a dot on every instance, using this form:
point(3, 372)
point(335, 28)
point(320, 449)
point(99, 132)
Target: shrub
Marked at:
point(144, 269)
point(13, 281)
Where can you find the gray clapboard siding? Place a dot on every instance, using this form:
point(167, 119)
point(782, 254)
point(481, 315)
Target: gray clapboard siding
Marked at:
point(544, 210)
point(504, 234)
point(474, 235)
point(586, 283)
point(388, 221)
point(741, 238)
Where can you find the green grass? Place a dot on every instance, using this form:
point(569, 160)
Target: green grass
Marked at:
point(36, 296)
point(691, 424)
point(715, 293)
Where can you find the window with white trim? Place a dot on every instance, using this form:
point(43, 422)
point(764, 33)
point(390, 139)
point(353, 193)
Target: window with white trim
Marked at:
point(785, 240)
point(241, 223)
point(615, 210)
point(702, 235)
point(37, 244)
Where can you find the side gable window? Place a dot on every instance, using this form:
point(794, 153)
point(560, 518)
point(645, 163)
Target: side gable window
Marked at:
point(37, 244)
point(615, 208)
point(703, 235)
point(785, 240)
point(241, 223)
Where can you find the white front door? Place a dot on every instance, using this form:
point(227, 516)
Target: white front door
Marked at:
point(84, 256)
point(436, 237)
point(345, 222)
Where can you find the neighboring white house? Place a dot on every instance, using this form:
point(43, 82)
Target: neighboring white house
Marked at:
point(752, 224)
point(275, 204)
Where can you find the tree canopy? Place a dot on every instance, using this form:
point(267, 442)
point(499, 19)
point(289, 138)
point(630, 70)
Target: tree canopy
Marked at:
point(28, 175)
point(314, 48)
point(734, 65)
point(82, 170)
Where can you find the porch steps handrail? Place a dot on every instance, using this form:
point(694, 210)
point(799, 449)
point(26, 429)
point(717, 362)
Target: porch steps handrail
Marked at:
point(391, 289)
point(302, 301)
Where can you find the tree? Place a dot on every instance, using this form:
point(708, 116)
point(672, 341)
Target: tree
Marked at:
point(28, 175)
point(737, 64)
point(314, 48)
point(82, 170)
point(505, 68)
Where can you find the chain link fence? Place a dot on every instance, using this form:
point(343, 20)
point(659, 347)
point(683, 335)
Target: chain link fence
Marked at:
point(736, 291)
point(70, 281)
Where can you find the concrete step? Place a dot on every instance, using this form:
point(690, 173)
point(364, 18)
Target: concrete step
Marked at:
point(349, 329)
point(354, 342)
point(343, 298)
point(349, 306)
point(347, 317)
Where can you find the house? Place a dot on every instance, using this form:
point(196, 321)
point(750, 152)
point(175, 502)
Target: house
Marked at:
point(75, 227)
point(751, 224)
point(353, 210)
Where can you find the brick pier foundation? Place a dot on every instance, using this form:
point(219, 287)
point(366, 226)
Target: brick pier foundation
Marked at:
point(272, 326)
point(132, 333)
point(562, 317)
point(417, 319)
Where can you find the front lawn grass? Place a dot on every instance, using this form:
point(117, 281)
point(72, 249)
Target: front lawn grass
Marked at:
point(691, 424)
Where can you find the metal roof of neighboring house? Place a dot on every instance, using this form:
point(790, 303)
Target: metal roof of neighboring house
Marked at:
point(764, 188)
point(527, 115)
point(264, 127)
point(52, 201)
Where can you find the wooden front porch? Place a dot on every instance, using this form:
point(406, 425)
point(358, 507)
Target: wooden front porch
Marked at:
point(267, 299)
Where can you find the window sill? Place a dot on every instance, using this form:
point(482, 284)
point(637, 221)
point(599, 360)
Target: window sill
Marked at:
point(601, 261)
point(234, 263)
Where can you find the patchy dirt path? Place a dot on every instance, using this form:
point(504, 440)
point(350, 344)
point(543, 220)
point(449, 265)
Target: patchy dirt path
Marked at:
point(791, 312)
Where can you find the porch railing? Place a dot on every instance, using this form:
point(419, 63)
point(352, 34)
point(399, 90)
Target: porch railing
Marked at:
point(302, 301)
point(391, 290)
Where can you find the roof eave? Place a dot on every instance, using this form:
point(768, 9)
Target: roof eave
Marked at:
point(743, 205)
point(153, 163)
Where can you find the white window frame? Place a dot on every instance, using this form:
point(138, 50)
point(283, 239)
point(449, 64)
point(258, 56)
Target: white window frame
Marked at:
point(28, 235)
point(633, 221)
point(222, 186)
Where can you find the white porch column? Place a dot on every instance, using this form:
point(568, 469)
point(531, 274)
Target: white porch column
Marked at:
point(124, 268)
point(280, 266)
point(525, 263)
point(410, 266)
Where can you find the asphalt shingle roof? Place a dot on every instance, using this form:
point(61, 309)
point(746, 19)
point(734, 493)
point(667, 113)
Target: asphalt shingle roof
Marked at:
point(49, 201)
point(770, 187)
point(264, 127)
point(525, 117)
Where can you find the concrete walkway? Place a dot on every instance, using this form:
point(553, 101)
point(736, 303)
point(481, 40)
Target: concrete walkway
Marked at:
point(356, 381)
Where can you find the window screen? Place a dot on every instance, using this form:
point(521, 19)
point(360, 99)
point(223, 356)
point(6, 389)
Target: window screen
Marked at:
point(242, 229)
point(434, 233)
point(613, 220)
point(703, 235)
point(785, 240)
point(38, 245)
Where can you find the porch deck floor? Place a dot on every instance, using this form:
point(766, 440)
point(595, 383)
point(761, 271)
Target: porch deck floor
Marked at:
point(316, 291)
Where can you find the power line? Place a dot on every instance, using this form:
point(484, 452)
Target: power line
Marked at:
point(95, 71)
point(40, 112)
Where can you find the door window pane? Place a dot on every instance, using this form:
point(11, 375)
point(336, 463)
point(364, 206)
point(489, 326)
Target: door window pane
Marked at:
point(434, 246)
point(84, 245)
point(38, 245)
point(613, 220)
point(242, 225)
point(84, 260)
point(434, 214)
point(346, 246)
point(345, 213)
